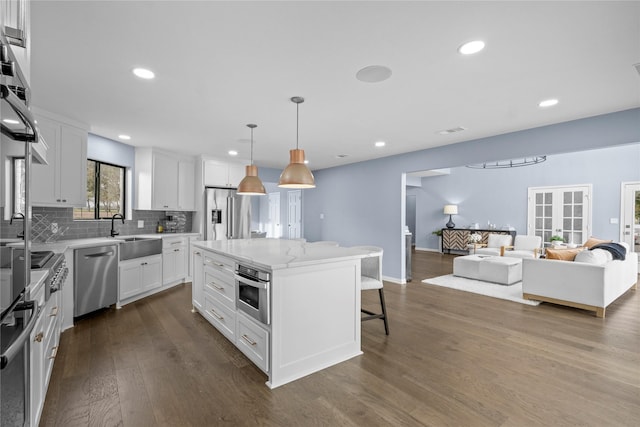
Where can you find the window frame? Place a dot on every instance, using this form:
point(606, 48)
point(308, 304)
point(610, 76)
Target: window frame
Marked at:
point(96, 190)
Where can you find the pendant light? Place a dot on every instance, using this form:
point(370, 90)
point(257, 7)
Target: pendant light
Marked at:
point(251, 184)
point(296, 174)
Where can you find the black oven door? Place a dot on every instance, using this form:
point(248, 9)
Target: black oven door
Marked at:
point(16, 324)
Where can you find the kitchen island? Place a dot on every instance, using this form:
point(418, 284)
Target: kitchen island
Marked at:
point(313, 302)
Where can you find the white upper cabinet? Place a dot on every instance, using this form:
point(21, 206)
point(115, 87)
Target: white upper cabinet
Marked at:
point(15, 24)
point(164, 181)
point(187, 185)
point(219, 174)
point(63, 181)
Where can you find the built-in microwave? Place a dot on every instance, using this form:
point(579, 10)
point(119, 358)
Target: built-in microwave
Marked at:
point(253, 294)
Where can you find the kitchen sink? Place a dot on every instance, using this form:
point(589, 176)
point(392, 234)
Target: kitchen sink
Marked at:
point(137, 247)
point(136, 239)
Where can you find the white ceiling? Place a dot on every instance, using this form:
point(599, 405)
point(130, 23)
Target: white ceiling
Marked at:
point(221, 65)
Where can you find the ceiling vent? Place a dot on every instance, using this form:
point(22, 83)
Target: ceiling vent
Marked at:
point(637, 66)
point(452, 130)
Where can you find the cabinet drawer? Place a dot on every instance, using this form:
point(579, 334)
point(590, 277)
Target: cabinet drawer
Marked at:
point(51, 313)
point(221, 317)
point(173, 242)
point(253, 341)
point(50, 351)
point(219, 262)
point(220, 286)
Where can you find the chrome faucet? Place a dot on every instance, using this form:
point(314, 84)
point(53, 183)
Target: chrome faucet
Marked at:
point(18, 215)
point(113, 229)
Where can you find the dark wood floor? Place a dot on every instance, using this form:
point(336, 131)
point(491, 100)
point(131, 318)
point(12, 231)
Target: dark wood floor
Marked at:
point(452, 358)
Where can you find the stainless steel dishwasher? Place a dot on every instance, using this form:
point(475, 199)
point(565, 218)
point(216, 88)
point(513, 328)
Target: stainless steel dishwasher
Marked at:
point(95, 278)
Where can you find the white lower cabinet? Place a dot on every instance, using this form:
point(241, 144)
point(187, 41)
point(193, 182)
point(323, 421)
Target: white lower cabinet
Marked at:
point(253, 341)
point(139, 275)
point(214, 284)
point(45, 338)
point(175, 258)
point(221, 316)
point(197, 279)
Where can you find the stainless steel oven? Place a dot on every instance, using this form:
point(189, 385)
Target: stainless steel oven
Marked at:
point(253, 295)
point(18, 314)
point(17, 320)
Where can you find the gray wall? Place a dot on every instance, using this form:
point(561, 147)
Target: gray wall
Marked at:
point(500, 196)
point(364, 203)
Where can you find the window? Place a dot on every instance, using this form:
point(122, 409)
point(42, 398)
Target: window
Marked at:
point(105, 191)
point(18, 185)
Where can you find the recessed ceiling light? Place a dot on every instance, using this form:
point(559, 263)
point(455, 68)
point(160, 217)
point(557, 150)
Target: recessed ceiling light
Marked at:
point(124, 137)
point(341, 156)
point(470, 48)
point(380, 143)
point(233, 153)
point(373, 74)
point(548, 103)
point(143, 73)
point(11, 121)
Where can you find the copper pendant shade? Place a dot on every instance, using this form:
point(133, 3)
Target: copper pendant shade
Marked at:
point(296, 174)
point(251, 184)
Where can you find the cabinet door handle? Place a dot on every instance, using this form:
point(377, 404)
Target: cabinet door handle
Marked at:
point(143, 263)
point(197, 253)
point(54, 312)
point(65, 201)
point(39, 337)
point(176, 250)
point(248, 340)
point(216, 314)
point(54, 352)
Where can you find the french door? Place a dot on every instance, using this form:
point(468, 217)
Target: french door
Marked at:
point(562, 211)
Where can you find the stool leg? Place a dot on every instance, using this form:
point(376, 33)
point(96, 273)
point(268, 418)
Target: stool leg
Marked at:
point(384, 311)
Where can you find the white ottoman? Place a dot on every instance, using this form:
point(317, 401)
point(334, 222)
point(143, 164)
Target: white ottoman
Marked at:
point(468, 266)
point(502, 270)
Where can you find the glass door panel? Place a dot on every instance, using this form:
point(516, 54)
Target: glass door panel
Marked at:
point(562, 211)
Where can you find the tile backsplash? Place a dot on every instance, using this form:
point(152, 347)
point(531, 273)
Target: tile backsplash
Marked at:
point(42, 228)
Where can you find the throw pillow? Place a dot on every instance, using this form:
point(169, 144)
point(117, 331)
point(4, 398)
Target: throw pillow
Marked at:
point(563, 254)
point(593, 241)
point(596, 256)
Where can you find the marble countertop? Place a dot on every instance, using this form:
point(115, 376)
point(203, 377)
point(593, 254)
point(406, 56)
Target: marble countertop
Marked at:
point(62, 245)
point(274, 254)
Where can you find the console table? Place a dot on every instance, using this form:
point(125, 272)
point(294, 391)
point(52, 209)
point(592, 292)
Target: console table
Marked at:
point(457, 239)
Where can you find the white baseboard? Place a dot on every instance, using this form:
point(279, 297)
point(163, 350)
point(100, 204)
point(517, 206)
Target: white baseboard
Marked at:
point(428, 249)
point(394, 280)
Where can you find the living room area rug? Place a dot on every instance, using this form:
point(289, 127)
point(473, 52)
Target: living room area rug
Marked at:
point(511, 293)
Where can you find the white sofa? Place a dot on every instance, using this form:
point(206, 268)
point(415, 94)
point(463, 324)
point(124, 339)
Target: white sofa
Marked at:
point(579, 284)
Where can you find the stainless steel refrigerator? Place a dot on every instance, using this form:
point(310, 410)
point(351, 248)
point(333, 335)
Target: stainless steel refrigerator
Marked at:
point(227, 214)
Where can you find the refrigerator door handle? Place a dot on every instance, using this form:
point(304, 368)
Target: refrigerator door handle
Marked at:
point(230, 213)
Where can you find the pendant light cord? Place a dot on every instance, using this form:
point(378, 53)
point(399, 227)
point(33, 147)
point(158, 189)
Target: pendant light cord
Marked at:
point(251, 146)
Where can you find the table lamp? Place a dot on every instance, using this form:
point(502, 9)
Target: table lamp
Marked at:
point(450, 210)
